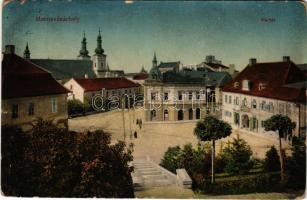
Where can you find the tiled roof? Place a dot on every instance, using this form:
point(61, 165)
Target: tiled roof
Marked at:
point(66, 69)
point(22, 78)
point(216, 65)
point(275, 76)
point(169, 64)
point(141, 76)
point(96, 84)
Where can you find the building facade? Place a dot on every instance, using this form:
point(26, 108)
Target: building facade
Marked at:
point(29, 92)
point(260, 91)
point(108, 89)
point(178, 94)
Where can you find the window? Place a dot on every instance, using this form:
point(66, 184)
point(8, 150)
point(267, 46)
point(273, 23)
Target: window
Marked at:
point(54, 105)
point(229, 99)
point(254, 104)
point(165, 115)
point(190, 95)
point(31, 109)
point(165, 96)
point(244, 102)
point(14, 111)
point(262, 86)
point(190, 114)
point(236, 101)
point(153, 96)
point(71, 87)
point(246, 85)
point(262, 105)
point(197, 95)
point(271, 107)
point(226, 97)
point(179, 95)
point(197, 113)
point(236, 84)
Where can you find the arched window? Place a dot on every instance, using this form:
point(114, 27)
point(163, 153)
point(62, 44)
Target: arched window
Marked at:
point(262, 105)
point(254, 104)
point(180, 115)
point(190, 114)
point(197, 113)
point(153, 115)
point(244, 102)
point(165, 114)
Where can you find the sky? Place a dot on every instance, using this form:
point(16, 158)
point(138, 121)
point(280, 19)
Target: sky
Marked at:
point(175, 30)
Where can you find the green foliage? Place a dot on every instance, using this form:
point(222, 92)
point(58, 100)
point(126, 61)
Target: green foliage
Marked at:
point(280, 123)
point(76, 107)
point(212, 128)
point(272, 160)
point(58, 163)
point(13, 144)
point(197, 161)
point(268, 182)
point(237, 156)
point(171, 159)
point(296, 167)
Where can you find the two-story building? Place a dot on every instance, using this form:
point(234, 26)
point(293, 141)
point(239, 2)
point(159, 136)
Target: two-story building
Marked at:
point(262, 90)
point(108, 89)
point(29, 92)
point(184, 94)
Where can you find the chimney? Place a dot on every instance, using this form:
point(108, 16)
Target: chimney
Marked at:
point(9, 49)
point(252, 61)
point(231, 69)
point(286, 58)
point(85, 76)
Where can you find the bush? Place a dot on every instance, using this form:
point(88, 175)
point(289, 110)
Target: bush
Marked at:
point(268, 182)
point(171, 158)
point(75, 107)
point(57, 163)
point(272, 161)
point(237, 156)
point(197, 161)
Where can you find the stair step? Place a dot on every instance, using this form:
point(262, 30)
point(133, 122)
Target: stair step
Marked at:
point(145, 173)
point(154, 177)
point(157, 183)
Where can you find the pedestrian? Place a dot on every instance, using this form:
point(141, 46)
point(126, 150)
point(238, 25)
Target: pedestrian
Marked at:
point(135, 134)
point(140, 123)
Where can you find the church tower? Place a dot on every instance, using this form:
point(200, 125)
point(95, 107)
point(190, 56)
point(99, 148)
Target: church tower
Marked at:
point(26, 53)
point(100, 60)
point(154, 61)
point(83, 53)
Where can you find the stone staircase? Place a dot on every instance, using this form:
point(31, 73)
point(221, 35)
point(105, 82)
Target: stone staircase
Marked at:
point(148, 175)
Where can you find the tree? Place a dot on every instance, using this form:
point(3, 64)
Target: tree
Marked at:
point(54, 162)
point(237, 155)
point(272, 160)
point(284, 126)
point(296, 166)
point(211, 129)
point(13, 144)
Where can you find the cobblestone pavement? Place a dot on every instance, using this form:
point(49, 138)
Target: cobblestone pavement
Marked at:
point(153, 139)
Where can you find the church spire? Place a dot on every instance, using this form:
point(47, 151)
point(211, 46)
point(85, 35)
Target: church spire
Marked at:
point(26, 53)
point(83, 53)
point(154, 61)
point(99, 50)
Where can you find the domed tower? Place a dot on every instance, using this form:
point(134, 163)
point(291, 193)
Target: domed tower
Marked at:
point(26, 53)
point(83, 53)
point(99, 59)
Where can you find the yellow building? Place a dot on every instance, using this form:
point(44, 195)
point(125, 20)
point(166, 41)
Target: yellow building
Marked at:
point(30, 92)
